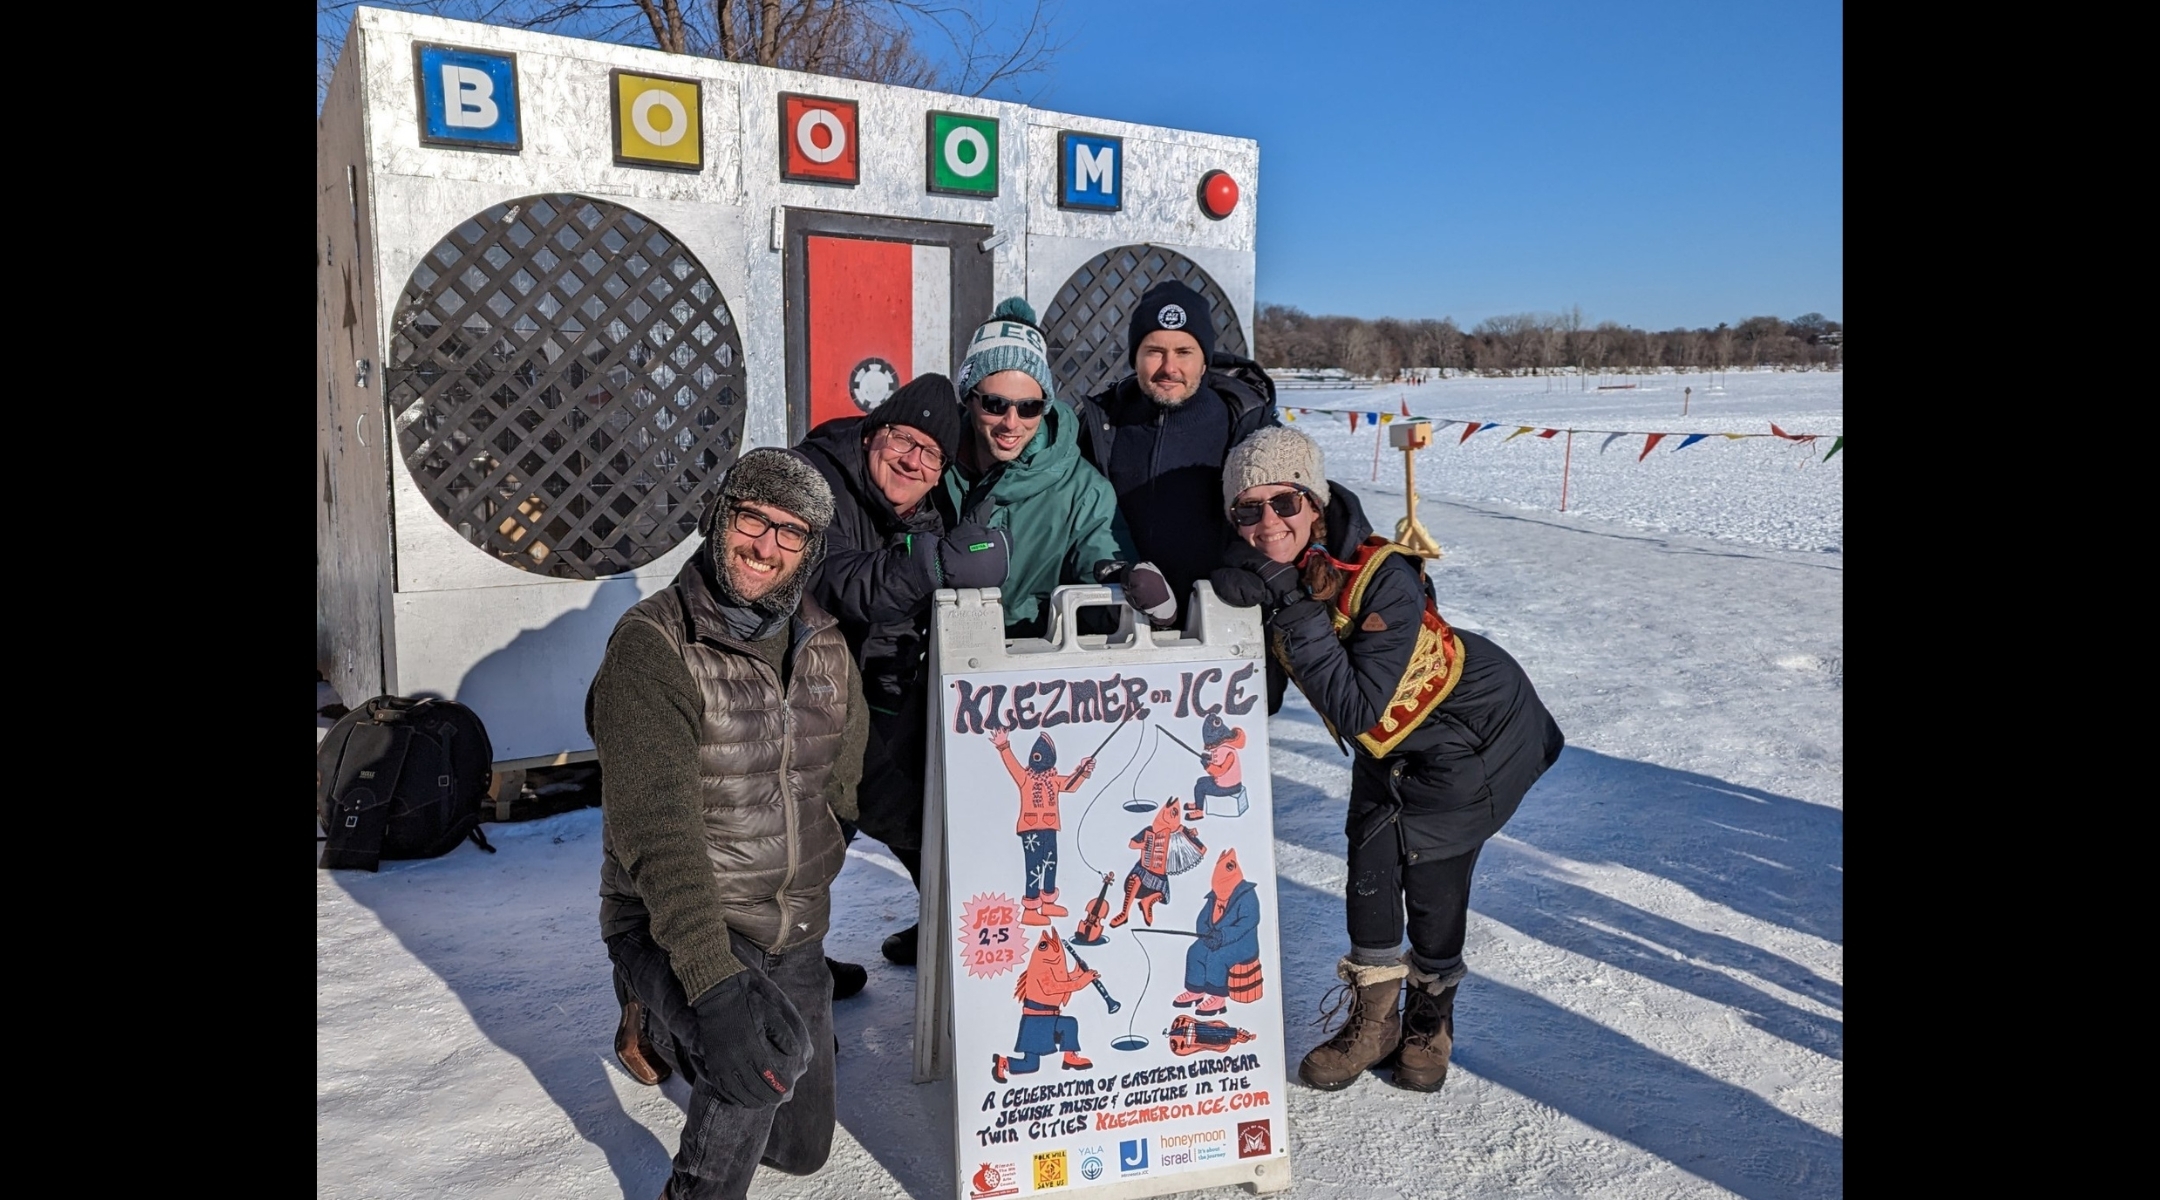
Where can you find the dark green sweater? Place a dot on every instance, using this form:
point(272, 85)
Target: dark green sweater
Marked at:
point(646, 713)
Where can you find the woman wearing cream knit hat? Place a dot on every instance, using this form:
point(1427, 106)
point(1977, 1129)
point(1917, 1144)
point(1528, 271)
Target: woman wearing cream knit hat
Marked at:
point(1448, 735)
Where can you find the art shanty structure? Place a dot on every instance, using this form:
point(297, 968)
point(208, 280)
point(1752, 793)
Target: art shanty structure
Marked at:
point(564, 284)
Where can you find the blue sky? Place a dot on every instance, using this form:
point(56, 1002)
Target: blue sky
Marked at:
point(1657, 164)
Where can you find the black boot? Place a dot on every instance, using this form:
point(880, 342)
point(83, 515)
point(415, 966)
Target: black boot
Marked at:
point(847, 978)
point(900, 947)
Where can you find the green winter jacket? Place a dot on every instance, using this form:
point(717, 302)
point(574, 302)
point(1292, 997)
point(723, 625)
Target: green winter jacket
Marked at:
point(1058, 512)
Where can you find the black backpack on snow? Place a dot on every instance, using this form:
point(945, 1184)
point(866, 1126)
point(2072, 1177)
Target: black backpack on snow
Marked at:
point(398, 778)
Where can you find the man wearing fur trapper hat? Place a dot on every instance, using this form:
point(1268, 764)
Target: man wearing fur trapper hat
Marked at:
point(1161, 433)
point(729, 719)
point(1019, 471)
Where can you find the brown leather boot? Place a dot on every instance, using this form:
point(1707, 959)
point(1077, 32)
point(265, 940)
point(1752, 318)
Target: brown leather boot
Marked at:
point(1370, 1033)
point(1428, 1032)
point(635, 1050)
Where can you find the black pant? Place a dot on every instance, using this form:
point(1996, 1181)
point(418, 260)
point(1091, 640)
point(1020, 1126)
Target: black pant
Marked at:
point(1382, 885)
point(723, 1143)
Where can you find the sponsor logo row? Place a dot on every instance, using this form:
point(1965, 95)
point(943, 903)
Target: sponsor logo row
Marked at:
point(469, 99)
point(1056, 1168)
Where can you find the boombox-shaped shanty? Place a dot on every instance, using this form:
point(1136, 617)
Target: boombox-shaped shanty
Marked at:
point(564, 284)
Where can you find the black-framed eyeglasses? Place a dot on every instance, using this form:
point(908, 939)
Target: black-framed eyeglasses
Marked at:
point(903, 445)
point(752, 524)
point(996, 405)
point(1285, 504)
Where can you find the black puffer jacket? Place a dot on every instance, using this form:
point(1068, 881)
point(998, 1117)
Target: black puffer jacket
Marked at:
point(1166, 463)
point(877, 574)
point(876, 580)
point(1455, 780)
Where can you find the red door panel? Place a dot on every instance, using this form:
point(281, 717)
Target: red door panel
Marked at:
point(861, 333)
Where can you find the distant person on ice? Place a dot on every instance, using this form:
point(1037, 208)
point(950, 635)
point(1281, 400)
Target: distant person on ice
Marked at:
point(1447, 730)
point(730, 723)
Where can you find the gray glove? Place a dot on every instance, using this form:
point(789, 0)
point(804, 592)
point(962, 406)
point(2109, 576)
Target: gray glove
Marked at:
point(1145, 589)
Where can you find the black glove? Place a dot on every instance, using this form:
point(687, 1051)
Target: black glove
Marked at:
point(756, 1044)
point(1145, 589)
point(1238, 587)
point(973, 555)
point(1278, 584)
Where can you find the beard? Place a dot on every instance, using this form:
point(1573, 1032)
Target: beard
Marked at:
point(748, 585)
point(753, 617)
point(1167, 394)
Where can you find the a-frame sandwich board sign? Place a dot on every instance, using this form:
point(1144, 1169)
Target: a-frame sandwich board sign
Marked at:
point(1099, 976)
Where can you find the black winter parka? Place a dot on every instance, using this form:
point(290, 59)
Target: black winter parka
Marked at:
point(876, 579)
point(1461, 774)
point(1166, 463)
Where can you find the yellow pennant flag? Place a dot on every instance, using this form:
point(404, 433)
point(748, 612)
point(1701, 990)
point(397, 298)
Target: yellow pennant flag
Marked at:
point(1735, 436)
point(1387, 418)
point(1518, 433)
point(1289, 415)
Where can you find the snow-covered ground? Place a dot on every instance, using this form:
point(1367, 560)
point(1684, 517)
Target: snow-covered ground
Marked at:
point(1656, 942)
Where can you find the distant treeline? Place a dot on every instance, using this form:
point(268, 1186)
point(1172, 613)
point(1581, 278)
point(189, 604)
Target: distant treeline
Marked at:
point(1529, 343)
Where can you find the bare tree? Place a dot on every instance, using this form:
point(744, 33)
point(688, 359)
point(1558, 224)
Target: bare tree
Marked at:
point(968, 46)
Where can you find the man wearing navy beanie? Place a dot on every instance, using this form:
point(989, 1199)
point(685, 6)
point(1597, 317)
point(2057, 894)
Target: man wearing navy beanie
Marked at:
point(1161, 434)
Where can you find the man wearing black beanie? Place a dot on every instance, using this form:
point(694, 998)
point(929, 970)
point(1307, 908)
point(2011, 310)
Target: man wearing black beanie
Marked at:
point(1161, 434)
point(890, 544)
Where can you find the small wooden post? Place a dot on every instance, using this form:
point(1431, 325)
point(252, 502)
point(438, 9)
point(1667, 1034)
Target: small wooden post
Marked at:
point(1567, 458)
point(1410, 531)
point(1686, 394)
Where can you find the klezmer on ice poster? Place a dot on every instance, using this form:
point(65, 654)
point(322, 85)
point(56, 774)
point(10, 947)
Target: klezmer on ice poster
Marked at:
point(1111, 875)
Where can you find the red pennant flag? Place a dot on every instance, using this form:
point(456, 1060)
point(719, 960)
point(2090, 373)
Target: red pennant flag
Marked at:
point(1353, 422)
point(1655, 438)
point(1548, 433)
point(1469, 428)
point(1406, 406)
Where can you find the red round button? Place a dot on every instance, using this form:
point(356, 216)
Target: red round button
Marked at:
point(1218, 194)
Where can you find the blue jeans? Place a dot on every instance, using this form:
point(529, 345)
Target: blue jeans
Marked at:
point(723, 1143)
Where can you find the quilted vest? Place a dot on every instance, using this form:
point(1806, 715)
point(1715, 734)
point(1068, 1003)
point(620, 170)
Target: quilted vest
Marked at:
point(763, 762)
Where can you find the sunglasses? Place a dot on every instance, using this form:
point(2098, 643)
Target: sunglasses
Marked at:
point(996, 405)
point(1285, 504)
